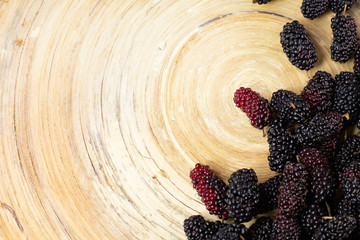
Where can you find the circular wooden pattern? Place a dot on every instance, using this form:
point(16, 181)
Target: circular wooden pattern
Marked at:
point(106, 106)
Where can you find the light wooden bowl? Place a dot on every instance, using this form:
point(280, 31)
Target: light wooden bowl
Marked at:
point(106, 106)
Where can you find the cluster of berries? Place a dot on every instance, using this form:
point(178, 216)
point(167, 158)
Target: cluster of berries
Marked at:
point(317, 192)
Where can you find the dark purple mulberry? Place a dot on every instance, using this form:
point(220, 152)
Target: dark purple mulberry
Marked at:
point(282, 145)
point(336, 228)
point(337, 6)
point(290, 107)
point(314, 8)
point(320, 128)
point(348, 152)
point(197, 228)
point(311, 218)
point(345, 39)
point(243, 195)
point(347, 95)
point(319, 92)
point(321, 183)
point(269, 194)
point(285, 228)
point(298, 46)
point(293, 189)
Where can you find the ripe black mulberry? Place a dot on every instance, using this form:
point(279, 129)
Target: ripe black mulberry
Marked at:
point(243, 195)
point(197, 228)
point(297, 45)
point(336, 228)
point(319, 92)
point(320, 128)
point(337, 6)
point(282, 145)
point(290, 107)
point(293, 189)
point(269, 194)
point(314, 8)
point(347, 95)
point(345, 39)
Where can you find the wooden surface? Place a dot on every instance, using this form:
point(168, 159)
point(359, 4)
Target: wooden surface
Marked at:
point(107, 105)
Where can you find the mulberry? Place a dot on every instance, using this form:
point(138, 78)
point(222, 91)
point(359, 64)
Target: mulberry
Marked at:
point(243, 195)
point(345, 39)
point(314, 8)
point(289, 106)
point(269, 194)
point(197, 228)
point(298, 46)
point(311, 218)
point(347, 95)
point(348, 152)
point(285, 228)
point(293, 189)
point(282, 145)
point(211, 189)
point(337, 228)
point(320, 128)
point(319, 92)
point(257, 108)
point(337, 6)
point(321, 183)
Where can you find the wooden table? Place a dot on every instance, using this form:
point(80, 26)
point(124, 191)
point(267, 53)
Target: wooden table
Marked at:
point(106, 106)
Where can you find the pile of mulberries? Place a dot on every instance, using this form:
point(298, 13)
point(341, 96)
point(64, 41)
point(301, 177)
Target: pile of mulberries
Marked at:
point(314, 150)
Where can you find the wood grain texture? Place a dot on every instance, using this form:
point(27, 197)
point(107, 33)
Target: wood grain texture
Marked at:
point(107, 105)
